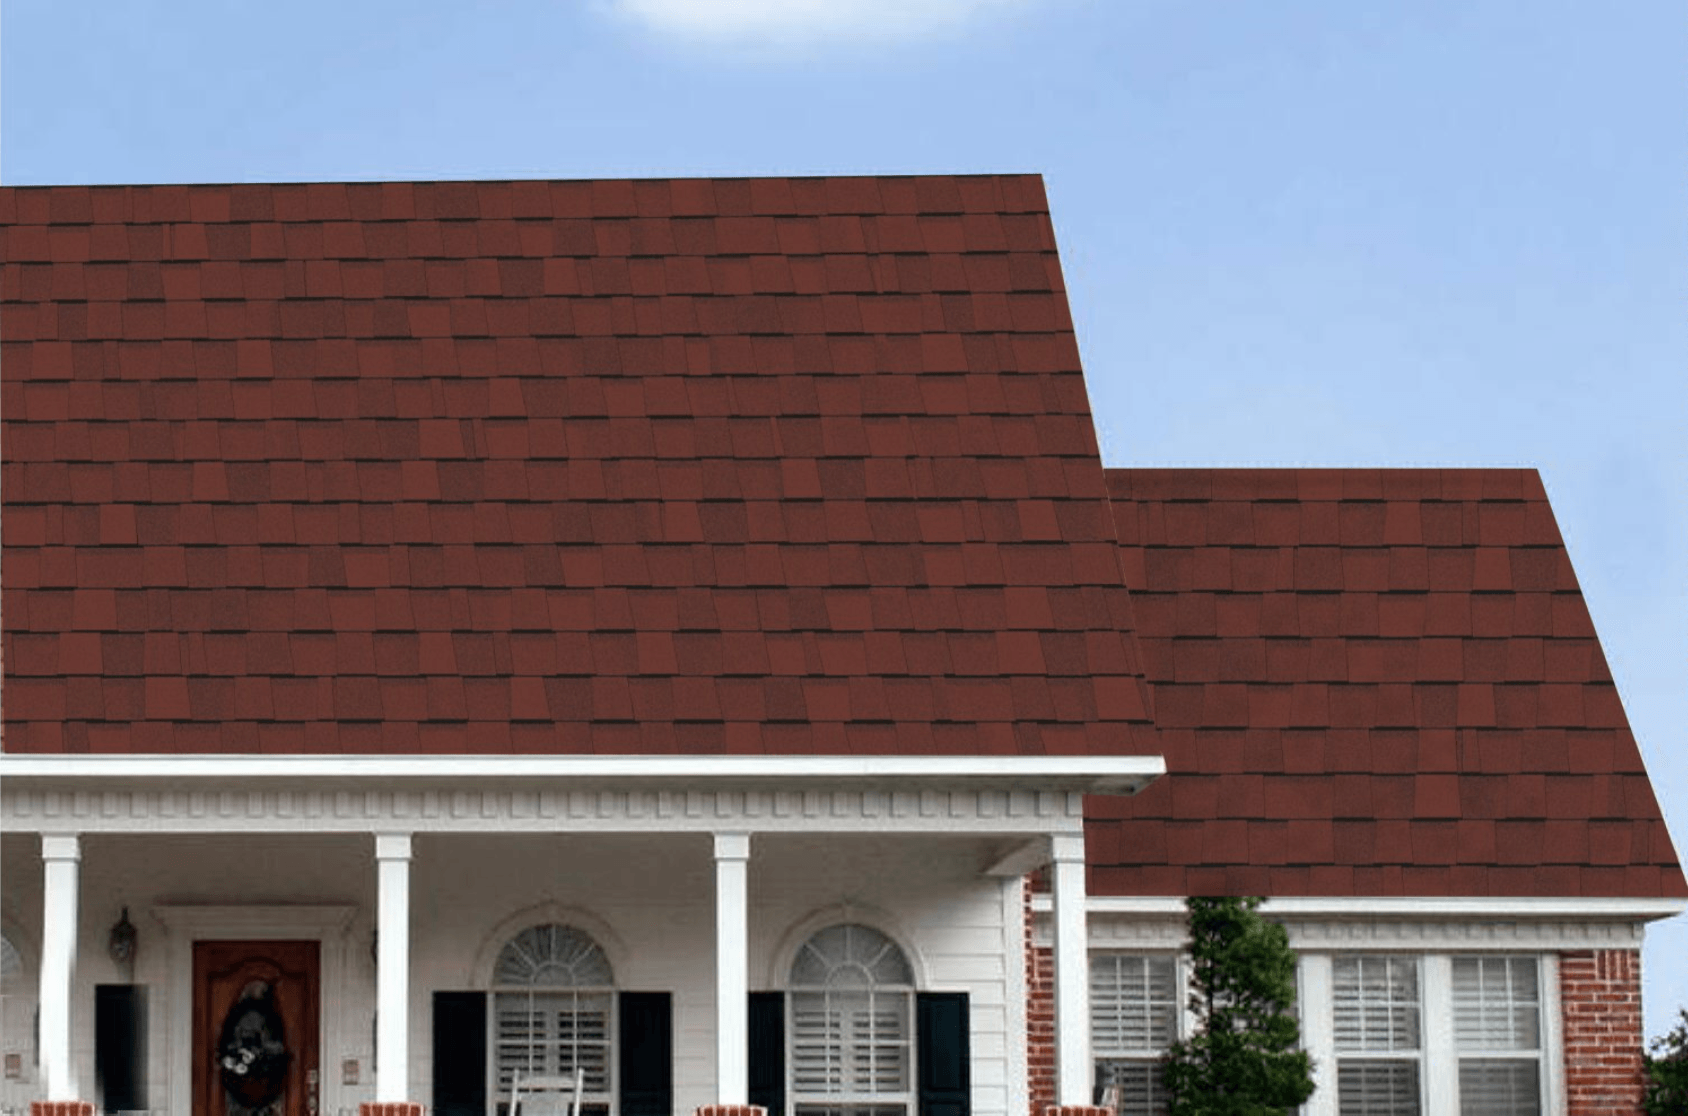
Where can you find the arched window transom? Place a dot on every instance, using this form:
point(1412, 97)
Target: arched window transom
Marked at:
point(552, 956)
point(852, 1006)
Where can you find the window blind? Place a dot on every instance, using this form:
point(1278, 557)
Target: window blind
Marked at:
point(1371, 1087)
point(1377, 1015)
point(1496, 1003)
point(1133, 1003)
point(1499, 1087)
point(1497, 1031)
point(1131, 1087)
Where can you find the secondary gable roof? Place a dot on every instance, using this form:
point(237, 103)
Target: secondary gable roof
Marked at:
point(1371, 682)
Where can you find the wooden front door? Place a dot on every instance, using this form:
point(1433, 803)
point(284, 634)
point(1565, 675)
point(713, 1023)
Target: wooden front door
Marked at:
point(255, 1028)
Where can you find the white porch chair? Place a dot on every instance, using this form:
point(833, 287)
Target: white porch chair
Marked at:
point(537, 1094)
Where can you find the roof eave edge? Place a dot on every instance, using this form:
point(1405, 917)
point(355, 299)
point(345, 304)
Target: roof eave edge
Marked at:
point(1091, 774)
point(1646, 909)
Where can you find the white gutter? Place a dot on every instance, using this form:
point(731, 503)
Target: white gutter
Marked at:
point(1093, 774)
point(1404, 907)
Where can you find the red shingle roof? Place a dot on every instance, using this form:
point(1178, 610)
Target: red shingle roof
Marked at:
point(779, 465)
point(1372, 682)
point(783, 465)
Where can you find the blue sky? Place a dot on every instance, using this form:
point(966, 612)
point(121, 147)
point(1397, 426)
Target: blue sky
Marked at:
point(1445, 232)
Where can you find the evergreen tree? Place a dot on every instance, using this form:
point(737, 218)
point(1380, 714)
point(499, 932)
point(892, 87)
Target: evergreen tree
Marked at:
point(1243, 1059)
point(1667, 1072)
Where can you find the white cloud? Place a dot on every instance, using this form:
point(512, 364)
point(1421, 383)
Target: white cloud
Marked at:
point(804, 22)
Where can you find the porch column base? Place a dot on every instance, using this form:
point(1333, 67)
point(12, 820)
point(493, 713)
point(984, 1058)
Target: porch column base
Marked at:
point(382, 1108)
point(731, 1110)
point(61, 1108)
point(1078, 1110)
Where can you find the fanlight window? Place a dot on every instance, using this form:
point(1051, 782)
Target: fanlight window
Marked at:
point(554, 998)
point(552, 956)
point(852, 1003)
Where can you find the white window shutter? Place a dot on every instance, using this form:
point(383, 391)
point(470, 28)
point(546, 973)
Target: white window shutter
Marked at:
point(817, 1044)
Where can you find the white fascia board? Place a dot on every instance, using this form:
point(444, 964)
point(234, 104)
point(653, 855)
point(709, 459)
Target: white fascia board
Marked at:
point(1476, 906)
point(1405, 907)
point(1089, 774)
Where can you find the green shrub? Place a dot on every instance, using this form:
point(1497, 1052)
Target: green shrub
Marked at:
point(1667, 1072)
point(1243, 1058)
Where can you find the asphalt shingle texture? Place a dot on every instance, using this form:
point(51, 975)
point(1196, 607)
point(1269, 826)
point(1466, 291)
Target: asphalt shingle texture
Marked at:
point(775, 465)
point(1371, 682)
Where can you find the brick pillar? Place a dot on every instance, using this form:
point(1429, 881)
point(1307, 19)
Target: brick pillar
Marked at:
point(61, 1108)
point(1600, 1002)
point(384, 1108)
point(1040, 1016)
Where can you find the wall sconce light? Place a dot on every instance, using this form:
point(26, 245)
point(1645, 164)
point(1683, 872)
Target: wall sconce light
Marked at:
point(121, 945)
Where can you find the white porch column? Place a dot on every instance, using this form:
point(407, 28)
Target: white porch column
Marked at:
point(1072, 972)
point(732, 970)
point(392, 967)
point(61, 854)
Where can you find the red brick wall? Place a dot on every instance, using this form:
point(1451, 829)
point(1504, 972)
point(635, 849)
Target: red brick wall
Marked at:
point(1040, 1017)
point(1600, 994)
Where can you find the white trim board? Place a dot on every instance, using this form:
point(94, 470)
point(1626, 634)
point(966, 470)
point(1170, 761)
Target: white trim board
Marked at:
point(1417, 925)
point(1406, 907)
point(1090, 774)
point(265, 807)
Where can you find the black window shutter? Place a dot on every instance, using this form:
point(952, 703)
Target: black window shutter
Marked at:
point(459, 1054)
point(767, 1051)
point(646, 1037)
point(120, 1046)
point(943, 1054)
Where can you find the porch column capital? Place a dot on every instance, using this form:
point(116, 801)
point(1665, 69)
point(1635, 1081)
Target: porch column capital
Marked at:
point(1065, 848)
point(732, 846)
point(61, 846)
point(392, 846)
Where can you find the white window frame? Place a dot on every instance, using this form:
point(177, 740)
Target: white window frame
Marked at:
point(816, 1104)
point(1181, 1017)
point(1538, 1054)
point(603, 1101)
point(1414, 1055)
point(1439, 1066)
